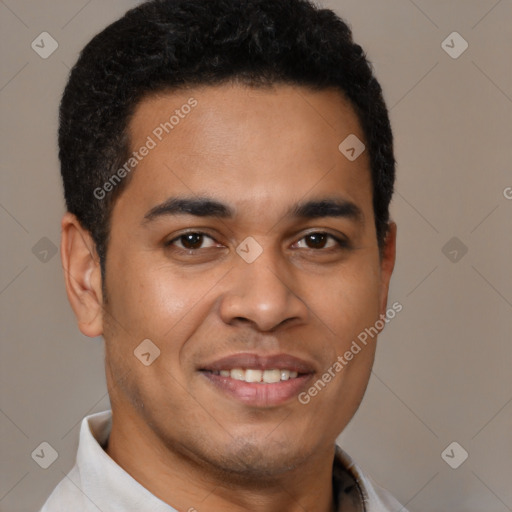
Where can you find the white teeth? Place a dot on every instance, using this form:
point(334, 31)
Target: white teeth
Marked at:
point(254, 375)
point(271, 376)
point(237, 374)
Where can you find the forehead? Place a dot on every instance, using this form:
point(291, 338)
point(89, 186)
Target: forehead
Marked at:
point(247, 144)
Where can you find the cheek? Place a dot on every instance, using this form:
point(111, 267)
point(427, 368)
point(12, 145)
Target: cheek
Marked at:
point(159, 302)
point(353, 301)
point(352, 309)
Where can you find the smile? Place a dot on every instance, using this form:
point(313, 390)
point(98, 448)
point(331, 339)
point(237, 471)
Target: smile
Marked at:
point(255, 375)
point(259, 380)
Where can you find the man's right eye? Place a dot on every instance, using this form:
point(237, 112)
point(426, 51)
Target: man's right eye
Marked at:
point(190, 241)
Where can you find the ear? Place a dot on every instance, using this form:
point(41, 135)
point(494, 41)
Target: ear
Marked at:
point(82, 275)
point(387, 264)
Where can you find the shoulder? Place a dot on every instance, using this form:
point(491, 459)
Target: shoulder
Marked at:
point(90, 466)
point(67, 495)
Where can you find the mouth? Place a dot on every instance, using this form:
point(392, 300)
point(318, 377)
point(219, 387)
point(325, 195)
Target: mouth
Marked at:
point(259, 381)
point(254, 375)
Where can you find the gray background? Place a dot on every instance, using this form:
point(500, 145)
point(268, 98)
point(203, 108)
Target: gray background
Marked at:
point(443, 367)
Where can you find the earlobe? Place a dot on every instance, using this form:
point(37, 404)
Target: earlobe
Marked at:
point(82, 276)
point(387, 265)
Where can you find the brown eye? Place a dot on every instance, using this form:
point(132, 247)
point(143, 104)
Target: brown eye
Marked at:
point(321, 241)
point(191, 240)
point(316, 240)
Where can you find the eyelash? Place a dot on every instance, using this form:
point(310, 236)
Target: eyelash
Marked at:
point(342, 243)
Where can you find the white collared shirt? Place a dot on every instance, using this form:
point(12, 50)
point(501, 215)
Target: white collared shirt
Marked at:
point(98, 484)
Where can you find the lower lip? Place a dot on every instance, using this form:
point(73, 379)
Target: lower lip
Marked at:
point(259, 394)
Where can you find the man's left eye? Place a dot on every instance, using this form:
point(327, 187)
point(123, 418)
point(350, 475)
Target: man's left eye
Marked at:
point(320, 241)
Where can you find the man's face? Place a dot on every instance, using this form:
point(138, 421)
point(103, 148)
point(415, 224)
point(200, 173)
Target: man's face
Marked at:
point(198, 287)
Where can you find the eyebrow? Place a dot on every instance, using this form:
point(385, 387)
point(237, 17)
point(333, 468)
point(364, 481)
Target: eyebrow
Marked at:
point(328, 207)
point(198, 206)
point(206, 207)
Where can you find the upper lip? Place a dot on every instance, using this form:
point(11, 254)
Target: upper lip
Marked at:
point(260, 362)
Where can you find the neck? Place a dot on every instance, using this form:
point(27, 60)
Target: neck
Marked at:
point(186, 483)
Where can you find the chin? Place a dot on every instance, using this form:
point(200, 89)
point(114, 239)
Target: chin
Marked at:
point(257, 462)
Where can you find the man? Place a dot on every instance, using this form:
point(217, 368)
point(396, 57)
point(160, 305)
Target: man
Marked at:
point(228, 167)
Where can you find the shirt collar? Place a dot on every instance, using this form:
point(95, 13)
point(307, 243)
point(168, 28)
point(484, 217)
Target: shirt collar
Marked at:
point(104, 482)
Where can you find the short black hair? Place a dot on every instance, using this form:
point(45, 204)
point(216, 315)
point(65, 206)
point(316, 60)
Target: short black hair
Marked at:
point(166, 45)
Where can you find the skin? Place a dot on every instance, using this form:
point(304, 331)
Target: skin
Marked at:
point(259, 151)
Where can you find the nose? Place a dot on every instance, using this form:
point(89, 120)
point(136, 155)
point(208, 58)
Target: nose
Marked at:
point(262, 293)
